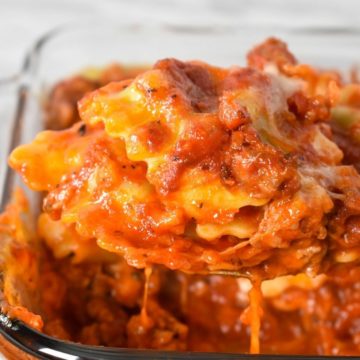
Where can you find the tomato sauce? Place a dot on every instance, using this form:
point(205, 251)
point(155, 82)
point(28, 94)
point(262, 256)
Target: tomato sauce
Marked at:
point(193, 172)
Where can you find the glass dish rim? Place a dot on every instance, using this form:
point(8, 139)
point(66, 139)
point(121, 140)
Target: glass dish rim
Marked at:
point(47, 36)
point(38, 344)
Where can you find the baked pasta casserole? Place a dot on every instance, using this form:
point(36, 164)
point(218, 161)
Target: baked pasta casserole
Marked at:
point(191, 207)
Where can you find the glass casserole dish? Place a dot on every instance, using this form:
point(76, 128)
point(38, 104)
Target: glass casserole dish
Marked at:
point(67, 51)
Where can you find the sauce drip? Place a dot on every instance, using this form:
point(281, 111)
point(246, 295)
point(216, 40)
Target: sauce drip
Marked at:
point(145, 319)
point(252, 316)
point(184, 286)
point(255, 297)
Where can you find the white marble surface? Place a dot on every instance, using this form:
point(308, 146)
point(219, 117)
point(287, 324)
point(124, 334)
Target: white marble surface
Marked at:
point(23, 21)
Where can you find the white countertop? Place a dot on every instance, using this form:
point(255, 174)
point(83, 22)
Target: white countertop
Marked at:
point(23, 21)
